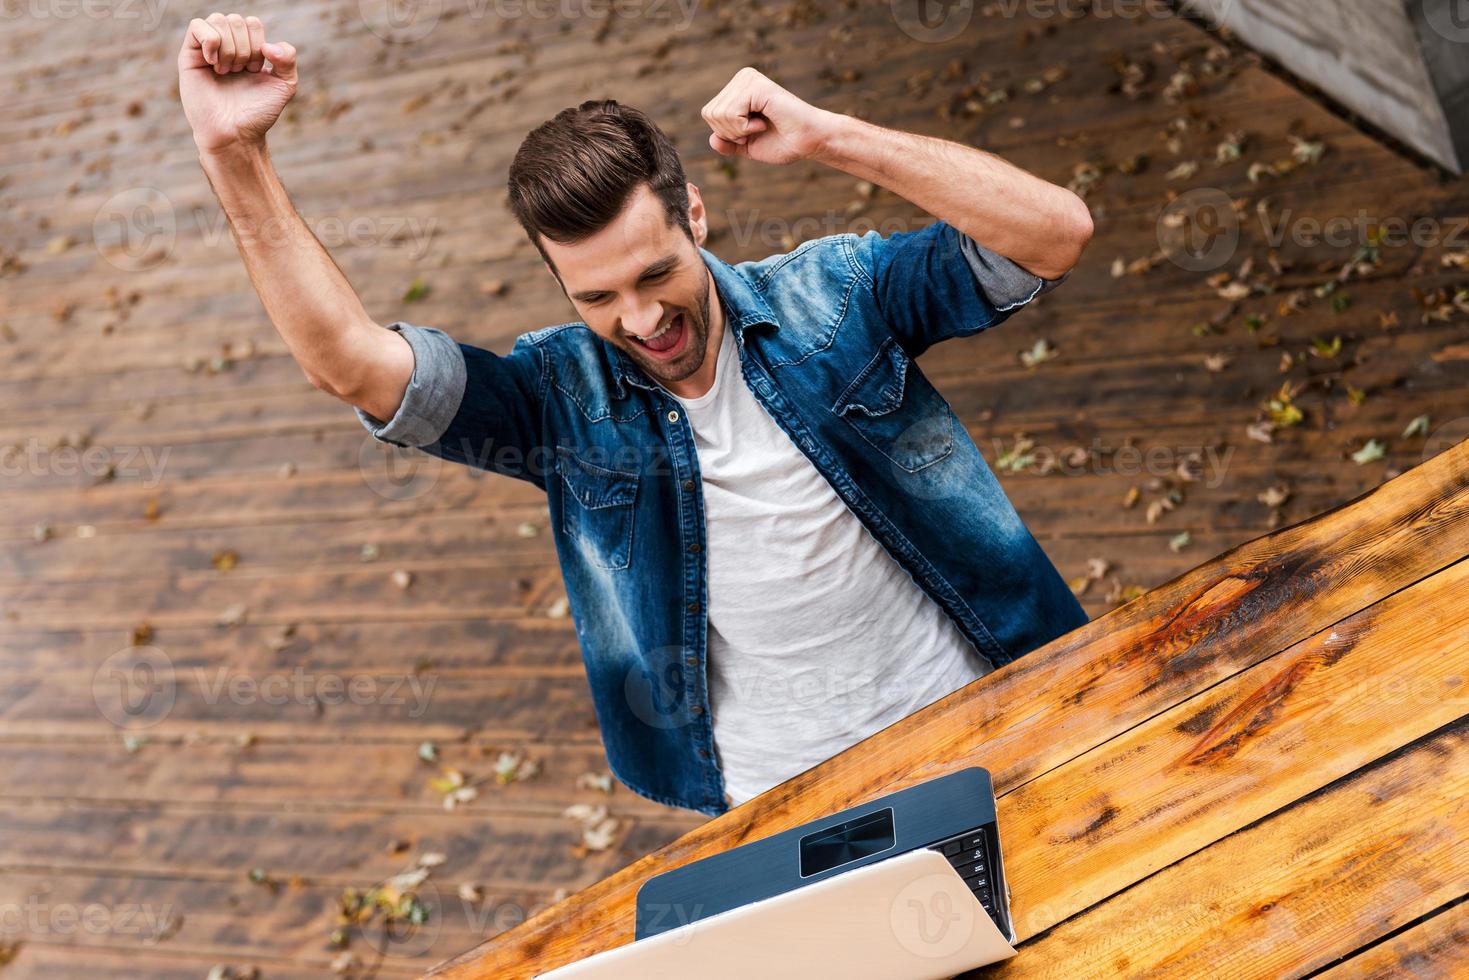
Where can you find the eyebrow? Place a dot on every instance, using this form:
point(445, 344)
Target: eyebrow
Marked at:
point(657, 268)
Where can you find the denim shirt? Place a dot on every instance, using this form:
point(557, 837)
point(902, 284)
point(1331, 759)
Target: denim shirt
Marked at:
point(827, 335)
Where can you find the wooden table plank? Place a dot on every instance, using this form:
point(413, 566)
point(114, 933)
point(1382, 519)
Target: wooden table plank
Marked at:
point(1076, 693)
point(1435, 949)
point(1246, 747)
point(1293, 892)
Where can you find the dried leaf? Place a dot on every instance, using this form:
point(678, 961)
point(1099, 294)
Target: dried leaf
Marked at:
point(1283, 410)
point(602, 782)
point(1326, 348)
point(1183, 171)
point(1370, 453)
point(510, 767)
point(1274, 496)
point(1018, 457)
point(1038, 354)
point(234, 616)
point(417, 291)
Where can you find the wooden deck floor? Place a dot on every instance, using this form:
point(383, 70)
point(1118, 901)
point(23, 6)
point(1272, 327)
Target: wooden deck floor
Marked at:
point(177, 497)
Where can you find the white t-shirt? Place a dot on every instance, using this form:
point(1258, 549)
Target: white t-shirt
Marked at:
point(817, 637)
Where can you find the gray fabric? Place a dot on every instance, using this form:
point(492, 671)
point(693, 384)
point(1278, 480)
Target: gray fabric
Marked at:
point(434, 392)
point(1005, 284)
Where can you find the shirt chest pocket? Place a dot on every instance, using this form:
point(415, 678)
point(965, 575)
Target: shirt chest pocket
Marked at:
point(597, 509)
point(895, 408)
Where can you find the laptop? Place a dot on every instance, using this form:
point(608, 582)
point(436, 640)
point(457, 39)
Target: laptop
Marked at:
point(908, 885)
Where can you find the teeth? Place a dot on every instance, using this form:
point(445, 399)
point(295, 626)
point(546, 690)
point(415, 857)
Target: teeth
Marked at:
point(665, 328)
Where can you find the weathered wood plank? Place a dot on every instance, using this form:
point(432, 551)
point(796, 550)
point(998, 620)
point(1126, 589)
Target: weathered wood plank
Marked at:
point(1291, 893)
point(341, 848)
point(42, 960)
point(230, 918)
point(1437, 947)
point(1248, 746)
point(311, 775)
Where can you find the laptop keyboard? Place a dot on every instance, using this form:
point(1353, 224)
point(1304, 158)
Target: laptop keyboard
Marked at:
point(969, 853)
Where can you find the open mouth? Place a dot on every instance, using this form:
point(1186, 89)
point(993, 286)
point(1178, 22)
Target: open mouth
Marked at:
point(668, 342)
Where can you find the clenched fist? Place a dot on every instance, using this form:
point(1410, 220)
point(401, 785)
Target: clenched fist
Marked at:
point(233, 84)
point(754, 117)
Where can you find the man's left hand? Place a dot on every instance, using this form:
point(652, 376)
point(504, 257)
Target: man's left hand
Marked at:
point(754, 117)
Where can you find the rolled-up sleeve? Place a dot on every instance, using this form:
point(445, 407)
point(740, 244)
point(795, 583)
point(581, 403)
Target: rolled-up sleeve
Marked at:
point(938, 283)
point(434, 392)
point(1005, 284)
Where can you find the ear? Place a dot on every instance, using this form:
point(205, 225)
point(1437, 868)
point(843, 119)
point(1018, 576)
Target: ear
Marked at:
point(698, 219)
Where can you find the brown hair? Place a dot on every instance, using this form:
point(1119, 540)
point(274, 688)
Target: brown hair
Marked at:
point(574, 172)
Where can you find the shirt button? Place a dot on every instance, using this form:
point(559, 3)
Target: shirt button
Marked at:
point(688, 484)
point(703, 753)
point(694, 548)
point(672, 415)
point(696, 709)
point(692, 661)
point(693, 607)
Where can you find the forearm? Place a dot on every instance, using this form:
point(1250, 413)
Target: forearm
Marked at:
point(1034, 223)
point(307, 297)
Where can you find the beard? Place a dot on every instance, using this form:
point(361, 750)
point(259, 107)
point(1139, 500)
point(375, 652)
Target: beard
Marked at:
point(695, 345)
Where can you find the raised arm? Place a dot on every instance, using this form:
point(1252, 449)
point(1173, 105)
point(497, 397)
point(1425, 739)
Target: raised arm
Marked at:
point(233, 85)
point(1032, 222)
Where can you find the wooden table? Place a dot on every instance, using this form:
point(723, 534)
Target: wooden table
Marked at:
point(1260, 768)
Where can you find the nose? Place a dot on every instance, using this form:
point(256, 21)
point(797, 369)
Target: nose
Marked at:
point(643, 318)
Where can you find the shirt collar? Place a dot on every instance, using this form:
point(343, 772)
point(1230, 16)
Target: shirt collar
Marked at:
point(744, 306)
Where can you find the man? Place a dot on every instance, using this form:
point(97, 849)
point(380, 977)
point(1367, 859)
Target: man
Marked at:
point(775, 535)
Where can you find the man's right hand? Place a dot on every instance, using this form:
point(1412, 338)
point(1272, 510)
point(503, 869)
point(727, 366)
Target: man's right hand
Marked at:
point(231, 93)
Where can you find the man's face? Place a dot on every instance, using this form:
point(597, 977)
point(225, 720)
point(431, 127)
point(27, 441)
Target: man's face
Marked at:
point(641, 285)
